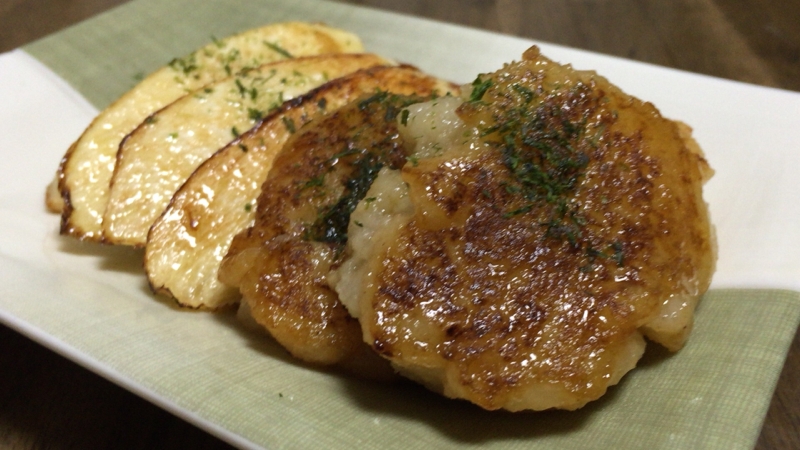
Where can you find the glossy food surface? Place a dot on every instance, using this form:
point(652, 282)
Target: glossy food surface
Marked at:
point(156, 158)
point(539, 236)
point(186, 244)
point(281, 264)
point(86, 170)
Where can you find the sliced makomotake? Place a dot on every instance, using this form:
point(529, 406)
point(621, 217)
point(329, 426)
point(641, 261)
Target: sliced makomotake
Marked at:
point(156, 158)
point(280, 264)
point(544, 224)
point(187, 242)
point(86, 169)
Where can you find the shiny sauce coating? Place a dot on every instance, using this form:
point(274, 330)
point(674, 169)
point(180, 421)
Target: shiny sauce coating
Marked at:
point(543, 240)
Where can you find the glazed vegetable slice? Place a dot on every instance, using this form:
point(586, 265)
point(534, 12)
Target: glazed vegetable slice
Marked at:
point(160, 154)
point(86, 169)
point(186, 244)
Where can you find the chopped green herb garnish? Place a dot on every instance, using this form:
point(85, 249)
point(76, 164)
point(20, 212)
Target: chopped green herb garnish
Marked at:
point(235, 132)
point(240, 86)
point(185, 65)
point(524, 91)
point(479, 87)
point(545, 144)
point(317, 181)
point(518, 211)
point(377, 97)
point(542, 158)
point(289, 124)
point(619, 254)
point(255, 114)
point(404, 117)
point(593, 255)
point(278, 49)
point(252, 92)
point(331, 224)
point(232, 56)
point(364, 150)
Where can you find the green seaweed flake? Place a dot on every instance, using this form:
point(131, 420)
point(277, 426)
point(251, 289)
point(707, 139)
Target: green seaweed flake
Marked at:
point(331, 224)
point(282, 51)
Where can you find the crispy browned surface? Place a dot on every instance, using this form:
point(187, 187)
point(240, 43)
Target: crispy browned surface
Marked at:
point(217, 201)
point(281, 263)
point(494, 294)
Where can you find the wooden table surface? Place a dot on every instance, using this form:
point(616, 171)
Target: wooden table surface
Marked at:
point(47, 401)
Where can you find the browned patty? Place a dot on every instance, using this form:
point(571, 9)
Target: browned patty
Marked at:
point(280, 264)
point(565, 221)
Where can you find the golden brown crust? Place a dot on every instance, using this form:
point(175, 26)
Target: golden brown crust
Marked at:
point(281, 263)
point(535, 261)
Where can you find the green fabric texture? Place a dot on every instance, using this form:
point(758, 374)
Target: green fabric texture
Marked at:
point(712, 394)
point(103, 57)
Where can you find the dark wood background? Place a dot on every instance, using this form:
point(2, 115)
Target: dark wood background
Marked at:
point(47, 401)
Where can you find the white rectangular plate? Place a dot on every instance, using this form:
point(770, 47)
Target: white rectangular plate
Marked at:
point(92, 303)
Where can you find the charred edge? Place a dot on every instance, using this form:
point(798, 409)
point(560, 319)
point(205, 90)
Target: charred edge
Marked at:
point(63, 191)
point(66, 211)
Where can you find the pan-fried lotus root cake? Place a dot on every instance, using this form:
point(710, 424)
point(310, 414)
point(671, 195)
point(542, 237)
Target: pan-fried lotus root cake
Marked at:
point(542, 226)
point(280, 264)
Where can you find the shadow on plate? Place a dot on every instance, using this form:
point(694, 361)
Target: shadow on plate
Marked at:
point(460, 420)
point(466, 423)
point(115, 258)
point(257, 338)
point(457, 420)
